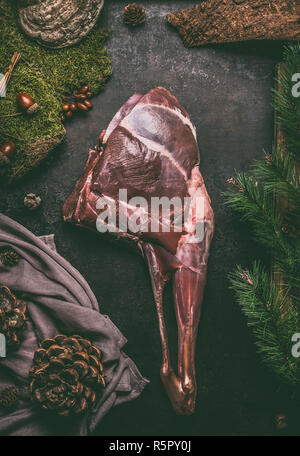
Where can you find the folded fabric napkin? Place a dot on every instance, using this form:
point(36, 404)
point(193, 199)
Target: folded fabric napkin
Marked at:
point(59, 301)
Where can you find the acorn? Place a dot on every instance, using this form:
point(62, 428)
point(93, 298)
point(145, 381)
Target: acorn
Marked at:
point(89, 94)
point(84, 89)
point(65, 107)
point(73, 107)
point(82, 106)
point(88, 103)
point(27, 103)
point(68, 114)
point(8, 148)
point(62, 118)
point(80, 96)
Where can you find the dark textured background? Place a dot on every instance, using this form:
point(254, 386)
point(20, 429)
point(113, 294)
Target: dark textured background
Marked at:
point(227, 91)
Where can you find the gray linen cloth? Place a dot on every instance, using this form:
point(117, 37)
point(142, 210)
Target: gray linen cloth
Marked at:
point(59, 301)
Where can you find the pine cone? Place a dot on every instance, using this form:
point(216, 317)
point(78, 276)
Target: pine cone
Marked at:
point(9, 257)
point(8, 397)
point(134, 14)
point(67, 376)
point(32, 201)
point(12, 317)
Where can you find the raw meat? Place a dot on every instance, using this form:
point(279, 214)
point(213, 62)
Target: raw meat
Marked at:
point(150, 151)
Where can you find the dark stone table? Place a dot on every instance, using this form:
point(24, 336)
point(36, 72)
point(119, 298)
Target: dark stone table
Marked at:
point(227, 91)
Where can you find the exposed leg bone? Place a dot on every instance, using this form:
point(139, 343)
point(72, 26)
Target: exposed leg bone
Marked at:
point(188, 288)
point(188, 292)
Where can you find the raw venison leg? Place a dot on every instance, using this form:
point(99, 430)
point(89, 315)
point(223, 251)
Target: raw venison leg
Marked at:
point(150, 150)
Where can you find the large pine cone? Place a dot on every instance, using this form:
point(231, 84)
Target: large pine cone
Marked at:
point(12, 317)
point(67, 376)
point(134, 14)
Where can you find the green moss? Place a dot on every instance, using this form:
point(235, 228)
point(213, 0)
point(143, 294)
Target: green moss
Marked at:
point(47, 75)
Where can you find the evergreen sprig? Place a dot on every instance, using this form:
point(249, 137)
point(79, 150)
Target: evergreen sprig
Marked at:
point(279, 175)
point(270, 316)
point(286, 105)
point(272, 311)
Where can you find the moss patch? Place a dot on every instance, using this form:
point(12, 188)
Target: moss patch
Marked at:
point(47, 75)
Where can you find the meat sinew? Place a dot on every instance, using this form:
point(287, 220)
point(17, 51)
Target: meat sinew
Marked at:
point(149, 152)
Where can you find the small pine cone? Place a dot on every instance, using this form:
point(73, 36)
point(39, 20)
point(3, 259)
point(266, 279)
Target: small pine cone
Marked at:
point(32, 201)
point(67, 375)
point(9, 257)
point(8, 397)
point(281, 422)
point(12, 317)
point(134, 14)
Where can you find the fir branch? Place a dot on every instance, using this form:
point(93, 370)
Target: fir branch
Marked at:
point(286, 105)
point(257, 206)
point(279, 175)
point(273, 312)
point(271, 317)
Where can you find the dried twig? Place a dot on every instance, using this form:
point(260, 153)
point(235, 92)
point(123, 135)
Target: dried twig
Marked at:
point(6, 78)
